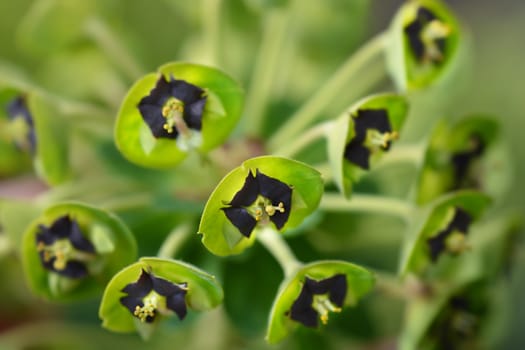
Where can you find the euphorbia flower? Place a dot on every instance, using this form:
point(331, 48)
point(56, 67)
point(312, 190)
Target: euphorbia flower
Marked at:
point(318, 298)
point(373, 132)
point(63, 249)
point(151, 295)
point(173, 108)
point(21, 124)
point(426, 36)
point(260, 200)
point(452, 238)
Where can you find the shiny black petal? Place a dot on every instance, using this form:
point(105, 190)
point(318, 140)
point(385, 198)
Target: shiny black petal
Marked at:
point(141, 288)
point(61, 228)
point(357, 154)
point(460, 222)
point(248, 193)
point(177, 303)
point(367, 119)
point(193, 114)
point(302, 310)
point(78, 240)
point(131, 302)
point(159, 94)
point(185, 91)
point(73, 269)
point(45, 236)
point(277, 192)
point(241, 219)
point(152, 115)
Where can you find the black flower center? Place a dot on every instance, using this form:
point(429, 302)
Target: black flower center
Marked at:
point(150, 295)
point(372, 132)
point(318, 298)
point(173, 110)
point(21, 128)
point(453, 237)
point(63, 248)
point(262, 199)
point(426, 36)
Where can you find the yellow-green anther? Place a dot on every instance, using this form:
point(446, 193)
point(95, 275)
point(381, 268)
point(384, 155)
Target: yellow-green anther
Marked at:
point(456, 242)
point(323, 306)
point(434, 31)
point(149, 308)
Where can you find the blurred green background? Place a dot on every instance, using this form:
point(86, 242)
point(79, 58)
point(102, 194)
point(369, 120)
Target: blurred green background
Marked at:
point(63, 47)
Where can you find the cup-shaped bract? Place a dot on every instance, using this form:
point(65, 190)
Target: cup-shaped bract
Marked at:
point(71, 250)
point(362, 134)
point(143, 293)
point(262, 191)
point(467, 155)
point(183, 107)
point(441, 229)
point(31, 127)
point(424, 43)
point(313, 292)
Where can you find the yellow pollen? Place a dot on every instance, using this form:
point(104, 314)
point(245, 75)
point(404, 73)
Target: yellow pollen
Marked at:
point(258, 214)
point(324, 306)
point(172, 112)
point(271, 209)
point(148, 310)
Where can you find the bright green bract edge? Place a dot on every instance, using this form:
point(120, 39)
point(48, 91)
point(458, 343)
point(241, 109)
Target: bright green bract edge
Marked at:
point(415, 257)
point(104, 230)
point(407, 73)
point(221, 113)
point(345, 173)
point(359, 282)
point(204, 292)
point(222, 238)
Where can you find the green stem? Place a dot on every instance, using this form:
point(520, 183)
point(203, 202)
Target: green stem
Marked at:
point(367, 203)
point(311, 135)
point(329, 91)
point(211, 14)
point(409, 154)
point(121, 203)
point(264, 74)
point(174, 241)
point(390, 284)
point(277, 246)
point(101, 34)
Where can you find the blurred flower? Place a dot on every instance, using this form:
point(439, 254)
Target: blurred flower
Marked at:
point(426, 36)
point(261, 199)
point(21, 124)
point(63, 248)
point(452, 238)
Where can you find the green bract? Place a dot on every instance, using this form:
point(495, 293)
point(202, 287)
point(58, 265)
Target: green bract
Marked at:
point(345, 135)
point(222, 109)
point(220, 235)
point(203, 292)
point(358, 282)
point(424, 42)
point(41, 138)
point(450, 216)
point(106, 245)
point(469, 154)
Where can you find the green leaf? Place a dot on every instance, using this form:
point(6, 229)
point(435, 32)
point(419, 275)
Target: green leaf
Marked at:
point(342, 132)
point(52, 154)
point(204, 292)
point(407, 71)
point(219, 234)
point(429, 220)
point(221, 113)
point(93, 223)
point(489, 170)
point(359, 282)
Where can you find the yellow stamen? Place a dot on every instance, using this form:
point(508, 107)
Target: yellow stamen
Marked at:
point(271, 209)
point(324, 306)
point(456, 242)
point(148, 310)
